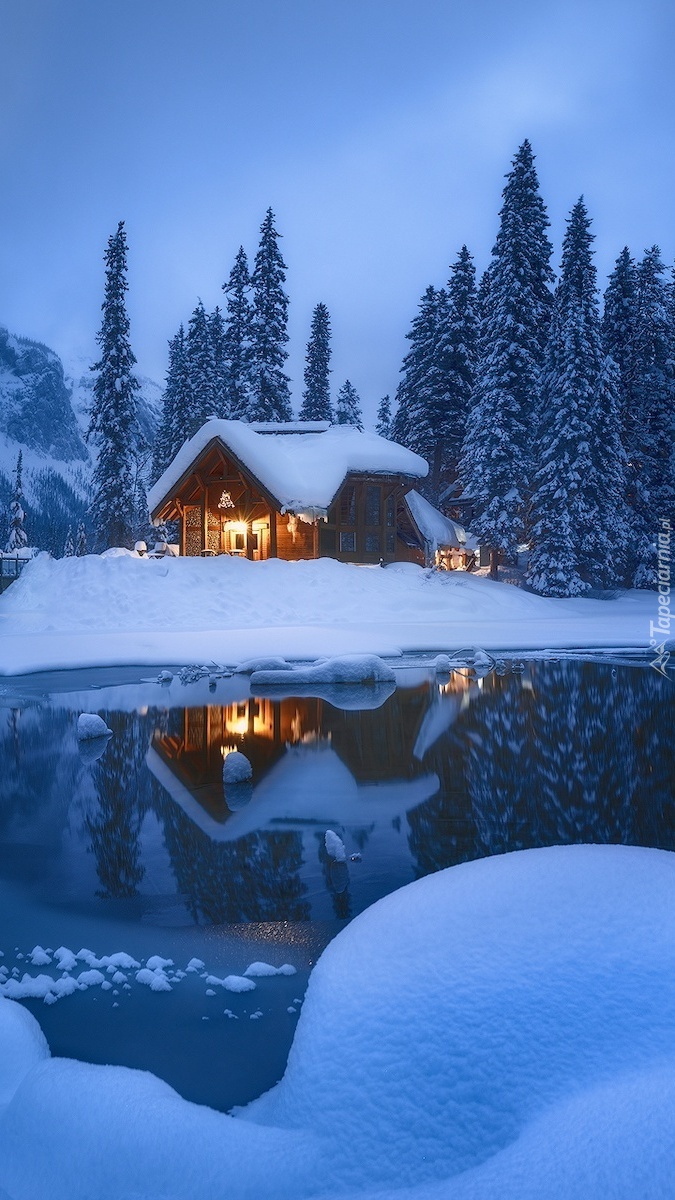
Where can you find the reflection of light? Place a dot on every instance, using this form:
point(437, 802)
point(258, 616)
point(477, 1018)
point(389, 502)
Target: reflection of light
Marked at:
point(237, 526)
point(225, 750)
point(458, 682)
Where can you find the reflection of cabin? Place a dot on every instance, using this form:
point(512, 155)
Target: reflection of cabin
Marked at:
point(295, 490)
point(198, 739)
point(376, 745)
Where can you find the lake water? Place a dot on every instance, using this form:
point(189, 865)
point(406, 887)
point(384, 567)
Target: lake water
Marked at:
point(142, 850)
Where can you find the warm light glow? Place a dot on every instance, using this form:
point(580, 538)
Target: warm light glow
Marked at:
point(237, 526)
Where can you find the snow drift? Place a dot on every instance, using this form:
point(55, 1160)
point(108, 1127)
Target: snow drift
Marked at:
point(503, 1028)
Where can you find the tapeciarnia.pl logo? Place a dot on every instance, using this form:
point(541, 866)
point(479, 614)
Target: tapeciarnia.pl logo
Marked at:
point(661, 627)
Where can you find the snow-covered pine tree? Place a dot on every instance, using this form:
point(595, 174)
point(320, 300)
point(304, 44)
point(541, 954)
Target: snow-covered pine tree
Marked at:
point(457, 351)
point(422, 381)
point(238, 337)
point(348, 407)
point(494, 467)
point(618, 335)
point(18, 538)
point(81, 541)
point(270, 393)
point(220, 398)
point(69, 547)
point(578, 507)
point(316, 404)
point(654, 389)
point(173, 427)
point(383, 426)
point(199, 371)
point(113, 422)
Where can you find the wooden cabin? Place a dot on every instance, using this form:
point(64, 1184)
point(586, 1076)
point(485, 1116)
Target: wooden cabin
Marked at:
point(294, 491)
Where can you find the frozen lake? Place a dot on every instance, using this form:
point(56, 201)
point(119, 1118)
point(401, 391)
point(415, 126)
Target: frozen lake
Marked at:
point(142, 850)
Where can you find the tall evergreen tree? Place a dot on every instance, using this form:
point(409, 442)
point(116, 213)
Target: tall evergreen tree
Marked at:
point(578, 506)
point(383, 426)
point(69, 547)
point(199, 371)
point(113, 422)
point(495, 458)
point(238, 337)
point(457, 351)
point(18, 538)
point(220, 399)
point(618, 336)
point(422, 381)
point(348, 408)
point(270, 393)
point(81, 540)
point(654, 390)
point(172, 430)
point(316, 404)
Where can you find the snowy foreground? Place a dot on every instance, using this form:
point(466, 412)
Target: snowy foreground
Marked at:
point(503, 1030)
point(109, 611)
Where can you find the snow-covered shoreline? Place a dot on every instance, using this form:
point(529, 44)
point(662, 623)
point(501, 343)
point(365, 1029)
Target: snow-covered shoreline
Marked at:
point(120, 611)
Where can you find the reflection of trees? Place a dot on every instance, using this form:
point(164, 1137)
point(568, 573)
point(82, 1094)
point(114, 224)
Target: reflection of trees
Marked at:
point(35, 771)
point(583, 776)
point(119, 781)
point(256, 878)
point(581, 756)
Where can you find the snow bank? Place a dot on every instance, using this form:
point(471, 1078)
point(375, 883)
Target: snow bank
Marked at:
point(22, 1046)
point(96, 611)
point(500, 1029)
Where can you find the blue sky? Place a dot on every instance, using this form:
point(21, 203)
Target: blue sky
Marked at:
point(378, 130)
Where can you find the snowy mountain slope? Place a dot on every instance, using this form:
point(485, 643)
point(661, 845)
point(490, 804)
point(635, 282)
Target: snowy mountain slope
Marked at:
point(44, 408)
point(80, 381)
point(44, 412)
point(35, 401)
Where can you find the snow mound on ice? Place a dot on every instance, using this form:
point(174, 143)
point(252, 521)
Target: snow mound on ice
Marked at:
point(90, 725)
point(236, 767)
point(260, 970)
point(348, 668)
point(268, 663)
point(335, 847)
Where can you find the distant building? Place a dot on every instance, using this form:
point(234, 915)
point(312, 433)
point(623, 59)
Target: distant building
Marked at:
point(294, 490)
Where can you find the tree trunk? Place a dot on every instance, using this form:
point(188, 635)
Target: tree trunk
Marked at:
point(494, 563)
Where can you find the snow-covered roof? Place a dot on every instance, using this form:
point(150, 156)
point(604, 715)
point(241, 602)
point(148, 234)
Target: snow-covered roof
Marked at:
point(302, 470)
point(290, 426)
point(436, 529)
